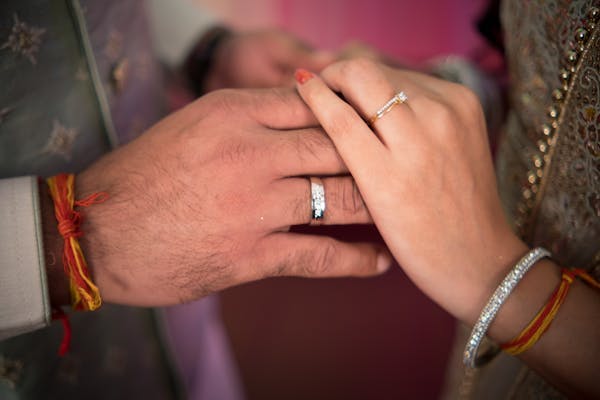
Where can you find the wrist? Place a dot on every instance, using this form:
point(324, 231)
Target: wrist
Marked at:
point(528, 297)
point(103, 226)
point(58, 284)
point(500, 262)
point(93, 227)
point(505, 299)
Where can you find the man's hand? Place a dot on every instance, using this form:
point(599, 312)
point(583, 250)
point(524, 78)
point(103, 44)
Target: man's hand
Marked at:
point(262, 59)
point(204, 200)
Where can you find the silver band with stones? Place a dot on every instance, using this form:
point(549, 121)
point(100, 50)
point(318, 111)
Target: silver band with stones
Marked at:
point(317, 199)
point(498, 298)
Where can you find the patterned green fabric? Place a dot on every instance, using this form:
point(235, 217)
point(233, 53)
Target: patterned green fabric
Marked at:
point(61, 62)
point(49, 118)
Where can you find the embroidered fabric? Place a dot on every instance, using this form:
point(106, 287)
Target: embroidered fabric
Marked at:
point(548, 163)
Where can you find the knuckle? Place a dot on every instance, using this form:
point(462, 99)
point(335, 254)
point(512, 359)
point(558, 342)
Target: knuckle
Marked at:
point(357, 67)
point(442, 117)
point(234, 150)
point(299, 149)
point(301, 210)
point(322, 260)
point(446, 117)
point(468, 100)
point(350, 201)
point(223, 102)
point(280, 269)
point(261, 98)
point(358, 203)
point(311, 146)
point(279, 95)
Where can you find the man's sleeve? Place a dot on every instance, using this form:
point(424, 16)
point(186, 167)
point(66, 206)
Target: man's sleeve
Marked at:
point(176, 26)
point(24, 299)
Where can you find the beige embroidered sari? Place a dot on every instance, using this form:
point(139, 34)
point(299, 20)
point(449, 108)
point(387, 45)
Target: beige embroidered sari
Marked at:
point(548, 162)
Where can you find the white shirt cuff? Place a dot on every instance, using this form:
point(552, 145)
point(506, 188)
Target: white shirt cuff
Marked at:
point(24, 299)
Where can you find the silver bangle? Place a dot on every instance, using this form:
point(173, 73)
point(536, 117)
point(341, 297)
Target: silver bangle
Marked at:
point(498, 298)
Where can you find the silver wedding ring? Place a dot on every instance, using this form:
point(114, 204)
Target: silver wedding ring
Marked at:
point(317, 199)
point(398, 98)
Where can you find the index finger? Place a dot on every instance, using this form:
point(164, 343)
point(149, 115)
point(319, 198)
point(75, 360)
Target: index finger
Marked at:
point(354, 140)
point(281, 108)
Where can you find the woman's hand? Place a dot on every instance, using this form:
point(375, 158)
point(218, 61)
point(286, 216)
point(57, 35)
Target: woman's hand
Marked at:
point(425, 172)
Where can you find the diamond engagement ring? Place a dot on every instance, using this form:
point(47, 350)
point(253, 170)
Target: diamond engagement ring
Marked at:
point(398, 98)
point(317, 200)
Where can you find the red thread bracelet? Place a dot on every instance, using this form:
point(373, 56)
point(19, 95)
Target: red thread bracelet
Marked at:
point(541, 322)
point(84, 293)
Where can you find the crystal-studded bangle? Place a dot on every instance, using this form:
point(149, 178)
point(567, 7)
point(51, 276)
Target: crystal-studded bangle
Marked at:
point(498, 298)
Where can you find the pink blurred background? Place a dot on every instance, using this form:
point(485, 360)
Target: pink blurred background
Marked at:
point(347, 338)
point(408, 29)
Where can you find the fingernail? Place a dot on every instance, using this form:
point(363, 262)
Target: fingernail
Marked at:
point(384, 261)
point(303, 75)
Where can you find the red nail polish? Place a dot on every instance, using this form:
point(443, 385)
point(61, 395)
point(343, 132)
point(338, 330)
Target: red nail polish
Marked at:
point(303, 75)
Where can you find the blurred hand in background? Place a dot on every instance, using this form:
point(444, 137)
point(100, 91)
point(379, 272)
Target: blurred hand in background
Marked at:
point(264, 58)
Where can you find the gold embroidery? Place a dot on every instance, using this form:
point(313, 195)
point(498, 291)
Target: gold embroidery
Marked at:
point(119, 74)
point(541, 159)
point(24, 40)
point(549, 160)
point(114, 45)
point(61, 140)
point(82, 74)
point(4, 112)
